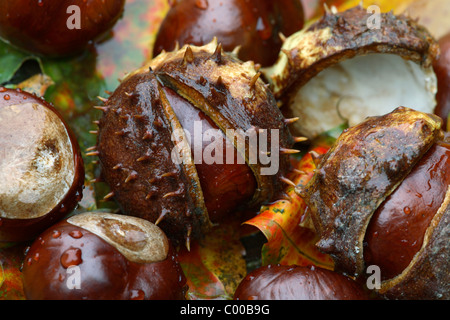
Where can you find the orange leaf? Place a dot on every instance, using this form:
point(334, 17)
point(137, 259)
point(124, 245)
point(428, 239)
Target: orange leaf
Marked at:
point(215, 264)
point(287, 242)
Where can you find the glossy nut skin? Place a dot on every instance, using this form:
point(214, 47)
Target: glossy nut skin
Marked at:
point(282, 282)
point(13, 227)
point(397, 229)
point(104, 272)
point(226, 186)
point(41, 26)
point(442, 69)
point(254, 25)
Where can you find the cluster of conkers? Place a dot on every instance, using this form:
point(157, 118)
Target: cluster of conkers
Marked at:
point(72, 256)
point(380, 197)
point(43, 178)
point(176, 146)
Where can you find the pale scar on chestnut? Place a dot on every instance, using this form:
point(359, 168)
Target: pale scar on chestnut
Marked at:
point(37, 162)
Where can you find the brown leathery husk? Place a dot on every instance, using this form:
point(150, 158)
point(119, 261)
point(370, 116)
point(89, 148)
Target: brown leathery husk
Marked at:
point(364, 166)
point(338, 69)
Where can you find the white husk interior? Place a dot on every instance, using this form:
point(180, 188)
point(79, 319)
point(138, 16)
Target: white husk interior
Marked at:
point(354, 89)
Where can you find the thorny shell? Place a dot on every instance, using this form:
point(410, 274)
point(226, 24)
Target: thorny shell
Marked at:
point(139, 131)
point(364, 166)
point(340, 68)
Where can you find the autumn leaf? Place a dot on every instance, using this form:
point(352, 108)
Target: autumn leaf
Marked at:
point(11, 256)
point(215, 264)
point(287, 242)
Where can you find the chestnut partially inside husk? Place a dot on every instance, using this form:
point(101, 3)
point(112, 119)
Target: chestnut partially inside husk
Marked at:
point(381, 197)
point(160, 170)
point(103, 256)
point(41, 167)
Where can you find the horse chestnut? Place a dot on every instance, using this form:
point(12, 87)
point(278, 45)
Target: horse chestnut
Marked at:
point(103, 256)
point(283, 282)
point(156, 161)
point(41, 167)
point(253, 25)
point(381, 197)
point(45, 27)
point(397, 229)
point(442, 69)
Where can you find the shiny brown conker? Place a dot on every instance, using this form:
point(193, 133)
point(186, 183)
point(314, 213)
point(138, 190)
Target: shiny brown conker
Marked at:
point(41, 167)
point(226, 185)
point(281, 282)
point(57, 27)
point(103, 256)
point(253, 25)
point(397, 229)
point(442, 70)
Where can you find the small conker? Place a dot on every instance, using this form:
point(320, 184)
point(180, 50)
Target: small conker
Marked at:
point(41, 168)
point(254, 25)
point(103, 256)
point(56, 27)
point(282, 282)
point(442, 70)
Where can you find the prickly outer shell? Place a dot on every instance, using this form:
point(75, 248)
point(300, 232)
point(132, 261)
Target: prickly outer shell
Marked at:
point(364, 166)
point(340, 36)
point(135, 142)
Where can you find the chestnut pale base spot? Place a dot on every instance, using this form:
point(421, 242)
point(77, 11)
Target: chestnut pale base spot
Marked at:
point(36, 161)
point(139, 240)
point(74, 263)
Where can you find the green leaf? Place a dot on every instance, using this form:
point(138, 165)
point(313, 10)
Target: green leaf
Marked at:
point(11, 60)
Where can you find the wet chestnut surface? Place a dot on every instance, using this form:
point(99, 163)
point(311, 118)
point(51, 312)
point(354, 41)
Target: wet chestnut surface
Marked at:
point(362, 169)
point(442, 69)
point(226, 183)
point(40, 166)
point(49, 27)
point(396, 231)
point(297, 283)
point(254, 25)
point(104, 272)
